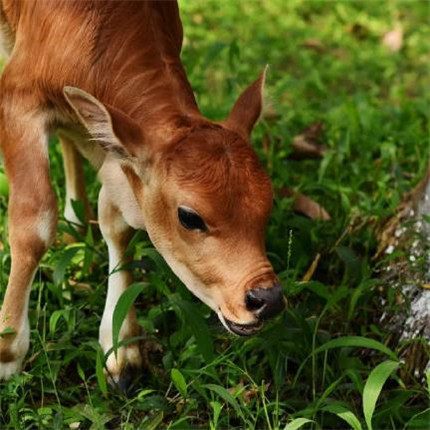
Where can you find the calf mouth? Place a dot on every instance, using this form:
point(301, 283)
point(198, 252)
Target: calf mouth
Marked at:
point(243, 329)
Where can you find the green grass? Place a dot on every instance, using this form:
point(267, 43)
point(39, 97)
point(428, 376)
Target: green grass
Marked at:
point(327, 361)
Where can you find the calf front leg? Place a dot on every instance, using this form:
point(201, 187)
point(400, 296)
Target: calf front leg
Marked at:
point(117, 234)
point(32, 222)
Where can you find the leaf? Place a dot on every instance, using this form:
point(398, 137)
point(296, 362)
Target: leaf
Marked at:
point(419, 421)
point(78, 209)
point(81, 372)
point(306, 146)
point(89, 253)
point(63, 262)
point(153, 423)
point(311, 269)
point(56, 315)
point(347, 255)
point(356, 341)
point(4, 185)
point(144, 393)
point(428, 381)
point(198, 325)
point(101, 378)
point(373, 387)
point(305, 205)
point(344, 414)
point(216, 406)
point(7, 331)
point(297, 423)
point(179, 382)
point(128, 297)
point(97, 419)
point(227, 397)
point(313, 44)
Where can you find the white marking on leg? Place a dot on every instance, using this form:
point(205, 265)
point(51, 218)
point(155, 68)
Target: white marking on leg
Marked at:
point(46, 226)
point(69, 213)
point(117, 284)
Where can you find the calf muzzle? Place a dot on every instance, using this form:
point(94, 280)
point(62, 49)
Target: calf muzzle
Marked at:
point(265, 303)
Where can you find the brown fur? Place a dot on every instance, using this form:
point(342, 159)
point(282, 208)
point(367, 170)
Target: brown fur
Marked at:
point(108, 74)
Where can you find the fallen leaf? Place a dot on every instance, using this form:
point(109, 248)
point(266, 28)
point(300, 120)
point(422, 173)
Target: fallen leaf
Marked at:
point(80, 286)
point(305, 205)
point(306, 145)
point(303, 149)
point(311, 270)
point(393, 39)
point(313, 44)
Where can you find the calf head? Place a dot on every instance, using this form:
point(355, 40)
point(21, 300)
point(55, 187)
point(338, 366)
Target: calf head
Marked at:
point(204, 200)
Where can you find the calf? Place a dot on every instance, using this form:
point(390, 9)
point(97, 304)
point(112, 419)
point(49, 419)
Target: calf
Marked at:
point(106, 76)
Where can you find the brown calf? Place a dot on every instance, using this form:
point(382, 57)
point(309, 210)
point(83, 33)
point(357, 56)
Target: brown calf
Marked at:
point(107, 77)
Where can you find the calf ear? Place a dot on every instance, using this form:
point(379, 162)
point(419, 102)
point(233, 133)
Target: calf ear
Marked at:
point(247, 109)
point(116, 132)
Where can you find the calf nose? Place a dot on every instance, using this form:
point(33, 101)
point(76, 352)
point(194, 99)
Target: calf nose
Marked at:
point(265, 303)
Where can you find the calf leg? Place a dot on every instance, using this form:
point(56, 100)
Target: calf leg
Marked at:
point(117, 234)
point(32, 222)
point(75, 182)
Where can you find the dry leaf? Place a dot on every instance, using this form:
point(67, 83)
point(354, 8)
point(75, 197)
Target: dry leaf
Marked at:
point(303, 149)
point(80, 286)
point(393, 40)
point(306, 145)
point(311, 270)
point(313, 44)
point(305, 205)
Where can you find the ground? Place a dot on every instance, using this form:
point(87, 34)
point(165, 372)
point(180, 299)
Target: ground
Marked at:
point(361, 70)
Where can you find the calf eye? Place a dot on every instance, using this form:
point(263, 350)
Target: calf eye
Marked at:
point(190, 220)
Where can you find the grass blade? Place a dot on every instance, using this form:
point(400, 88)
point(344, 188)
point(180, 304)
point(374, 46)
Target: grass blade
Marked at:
point(227, 397)
point(179, 382)
point(191, 314)
point(356, 341)
point(344, 414)
point(101, 378)
point(373, 388)
point(128, 297)
point(297, 423)
point(63, 262)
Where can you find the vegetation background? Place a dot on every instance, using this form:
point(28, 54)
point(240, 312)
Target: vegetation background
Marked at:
point(328, 362)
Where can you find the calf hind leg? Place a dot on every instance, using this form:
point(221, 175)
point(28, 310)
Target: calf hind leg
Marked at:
point(75, 184)
point(32, 222)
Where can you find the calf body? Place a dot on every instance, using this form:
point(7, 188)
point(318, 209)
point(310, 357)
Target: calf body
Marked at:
point(107, 77)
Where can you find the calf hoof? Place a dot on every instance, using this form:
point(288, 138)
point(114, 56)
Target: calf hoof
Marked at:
point(127, 381)
point(123, 371)
point(13, 348)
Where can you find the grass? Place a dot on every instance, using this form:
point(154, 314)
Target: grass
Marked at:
point(327, 362)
